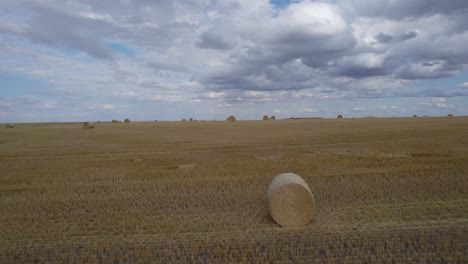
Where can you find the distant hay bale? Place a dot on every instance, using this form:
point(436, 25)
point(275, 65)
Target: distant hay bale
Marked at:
point(339, 116)
point(231, 119)
point(127, 120)
point(291, 202)
point(449, 115)
point(266, 118)
point(183, 120)
point(273, 118)
point(88, 125)
point(415, 116)
point(10, 125)
point(115, 121)
point(190, 119)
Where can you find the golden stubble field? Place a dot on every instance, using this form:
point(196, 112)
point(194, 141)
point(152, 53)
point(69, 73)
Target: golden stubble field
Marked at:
point(391, 190)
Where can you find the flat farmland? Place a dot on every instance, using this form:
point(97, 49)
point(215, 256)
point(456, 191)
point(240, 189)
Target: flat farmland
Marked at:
point(386, 190)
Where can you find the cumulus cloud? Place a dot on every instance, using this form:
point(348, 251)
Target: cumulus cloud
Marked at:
point(398, 9)
point(360, 108)
point(49, 104)
point(6, 103)
point(233, 52)
point(390, 107)
point(439, 102)
point(310, 110)
point(211, 40)
point(108, 107)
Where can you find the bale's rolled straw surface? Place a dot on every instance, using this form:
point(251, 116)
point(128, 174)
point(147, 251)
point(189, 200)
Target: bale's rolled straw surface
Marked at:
point(88, 125)
point(291, 202)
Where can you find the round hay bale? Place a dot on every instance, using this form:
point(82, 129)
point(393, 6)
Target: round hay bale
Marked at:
point(183, 120)
point(339, 116)
point(190, 120)
point(10, 125)
point(127, 120)
point(231, 119)
point(115, 121)
point(266, 118)
point(291, 202)
point(273, 118)
point(88, 125)
point(449, 115)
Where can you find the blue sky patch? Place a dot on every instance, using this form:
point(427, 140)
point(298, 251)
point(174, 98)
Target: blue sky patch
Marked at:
point(120, 48)
point(280, 3)
point(12, 85)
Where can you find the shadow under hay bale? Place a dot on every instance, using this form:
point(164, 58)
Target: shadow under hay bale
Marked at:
point(291, 203)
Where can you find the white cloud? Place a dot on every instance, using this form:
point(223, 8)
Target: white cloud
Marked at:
point(224, 105)
point(360, 108)
point(108, 107)
point(214, 95)
point(439, 102)
point(316, 18)
point(96, 16)
point(309, 110)
point(240, 52)
point(49, 104)
point(6, 103)
point(367, 60)
point(389, 107)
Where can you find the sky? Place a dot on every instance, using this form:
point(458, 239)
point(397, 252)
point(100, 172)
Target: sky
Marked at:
point(87, 60)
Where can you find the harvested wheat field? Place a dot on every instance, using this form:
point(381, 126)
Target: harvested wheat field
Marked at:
point(385, 190)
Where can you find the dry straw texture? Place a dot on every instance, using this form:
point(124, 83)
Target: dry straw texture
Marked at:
point(10, 125)
point(339, 116)
point(88, 125)
point(291, 201)
point(265, 118)
point(127, 194)
point(231, 119)
point(273, 118)
point(127, 120)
